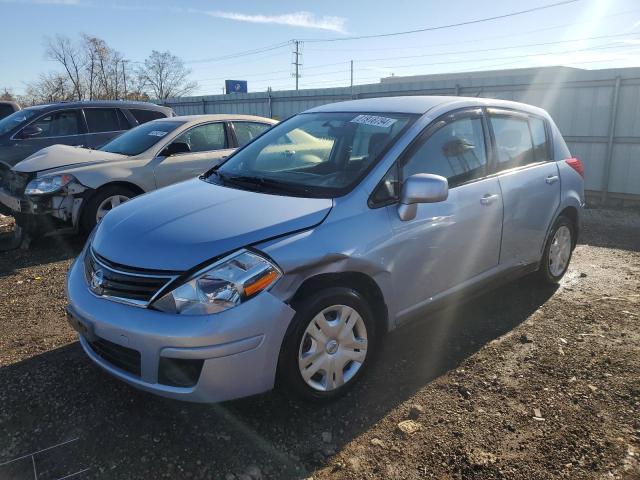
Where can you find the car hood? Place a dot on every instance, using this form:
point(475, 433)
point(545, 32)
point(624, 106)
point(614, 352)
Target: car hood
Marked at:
point(57, 156)
point(183, 225)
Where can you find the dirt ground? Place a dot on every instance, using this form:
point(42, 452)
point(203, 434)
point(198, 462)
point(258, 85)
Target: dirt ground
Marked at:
point(522, 383)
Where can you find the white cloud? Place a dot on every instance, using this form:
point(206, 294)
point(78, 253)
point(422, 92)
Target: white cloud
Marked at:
point(296, 19)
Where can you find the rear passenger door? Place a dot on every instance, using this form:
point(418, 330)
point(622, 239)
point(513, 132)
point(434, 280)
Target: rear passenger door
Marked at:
point(529, 181)
point(447, 243)
point(208, 145)
point(103, 124)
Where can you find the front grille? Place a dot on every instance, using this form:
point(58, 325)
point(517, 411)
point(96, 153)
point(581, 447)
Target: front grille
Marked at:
point(13, 182)
point(105, 279)
point(121, 357)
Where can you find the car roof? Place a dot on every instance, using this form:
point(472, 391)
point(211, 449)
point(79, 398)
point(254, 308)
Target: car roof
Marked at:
point(218, 117)
point(103, 103)
point(418, 104)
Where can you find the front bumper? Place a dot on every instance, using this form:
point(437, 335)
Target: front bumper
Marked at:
point(41, 213)
point(239, 347)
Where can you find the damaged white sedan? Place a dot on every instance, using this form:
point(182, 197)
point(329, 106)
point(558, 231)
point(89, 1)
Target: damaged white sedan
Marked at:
point(71, 186)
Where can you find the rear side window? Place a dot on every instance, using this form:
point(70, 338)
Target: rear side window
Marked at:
point(59, 124)
point(519, 140)
point(104, 120)
point(247, 131)
point(144, 116)
point(455, 151)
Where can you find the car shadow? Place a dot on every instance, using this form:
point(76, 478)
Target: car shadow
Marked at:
point(124, 433)
point(41, 251)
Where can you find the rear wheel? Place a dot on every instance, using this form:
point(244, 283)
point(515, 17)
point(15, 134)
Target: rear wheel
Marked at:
point(557, 251)
point(102, 202)
point(329, 344)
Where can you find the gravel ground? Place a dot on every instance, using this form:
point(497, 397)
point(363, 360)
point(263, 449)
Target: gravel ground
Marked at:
point(524, 382)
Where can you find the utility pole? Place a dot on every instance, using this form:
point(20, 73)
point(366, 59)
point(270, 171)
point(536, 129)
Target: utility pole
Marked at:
point(124, 78)
point(351, 78)
point(296, 61)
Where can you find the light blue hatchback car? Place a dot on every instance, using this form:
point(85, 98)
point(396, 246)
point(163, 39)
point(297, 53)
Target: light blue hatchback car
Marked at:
point(292, 259)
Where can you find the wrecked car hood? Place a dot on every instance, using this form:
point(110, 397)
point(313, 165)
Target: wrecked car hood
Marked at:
point(186, 224)
point(57, 156)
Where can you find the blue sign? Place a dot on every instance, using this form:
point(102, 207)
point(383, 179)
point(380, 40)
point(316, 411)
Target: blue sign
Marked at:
point(235, 86)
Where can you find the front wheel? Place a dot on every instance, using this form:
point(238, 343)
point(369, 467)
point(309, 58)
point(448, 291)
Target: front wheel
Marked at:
point(329, 344)
point(102, 202)
point(557, 251)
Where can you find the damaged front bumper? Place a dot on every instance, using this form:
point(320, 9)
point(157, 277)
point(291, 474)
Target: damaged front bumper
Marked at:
point(45, 211)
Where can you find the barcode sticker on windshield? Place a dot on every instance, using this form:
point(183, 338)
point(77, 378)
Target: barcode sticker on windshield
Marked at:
point(374, 120)
point(157, 133)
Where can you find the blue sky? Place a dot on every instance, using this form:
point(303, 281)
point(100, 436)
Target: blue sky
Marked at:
point(197, 30)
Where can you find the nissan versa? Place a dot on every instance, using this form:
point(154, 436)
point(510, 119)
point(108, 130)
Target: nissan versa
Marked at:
point(272, 268)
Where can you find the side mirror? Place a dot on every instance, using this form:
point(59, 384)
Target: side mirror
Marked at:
point(175, 148)
point(421, 188)
point(31, 131)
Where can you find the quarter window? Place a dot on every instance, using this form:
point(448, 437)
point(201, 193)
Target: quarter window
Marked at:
point(539, 135)
point(59, 124)
point(455, 151)
point(206, 137)
point(103, 120)
point(247, 131)
point(144, 116)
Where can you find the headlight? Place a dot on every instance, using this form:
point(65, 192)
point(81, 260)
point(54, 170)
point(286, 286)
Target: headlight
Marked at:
point(47, 184)
point(224, 285)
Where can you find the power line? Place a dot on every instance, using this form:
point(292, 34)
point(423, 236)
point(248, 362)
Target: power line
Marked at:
point(456, 52)
point(441, 27)
point(242, 54)
point(475, 40)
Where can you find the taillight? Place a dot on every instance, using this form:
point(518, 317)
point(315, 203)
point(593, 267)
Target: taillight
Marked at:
point(576, 164)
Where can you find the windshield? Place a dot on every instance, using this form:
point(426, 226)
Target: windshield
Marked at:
point(15, 119)
point(313, 154)
point(141, 138)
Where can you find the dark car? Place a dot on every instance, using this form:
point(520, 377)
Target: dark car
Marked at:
point(88, 124)
point(7, 107)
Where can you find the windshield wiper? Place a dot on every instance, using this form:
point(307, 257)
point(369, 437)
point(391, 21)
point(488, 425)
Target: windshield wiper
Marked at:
point(268, 183)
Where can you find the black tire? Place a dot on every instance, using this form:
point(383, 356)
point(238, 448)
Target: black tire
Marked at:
point(289, 374)
point(545, 272)
point(88, 218)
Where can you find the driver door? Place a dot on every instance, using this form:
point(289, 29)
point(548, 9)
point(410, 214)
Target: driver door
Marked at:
point(208, 144)
point(448, 243)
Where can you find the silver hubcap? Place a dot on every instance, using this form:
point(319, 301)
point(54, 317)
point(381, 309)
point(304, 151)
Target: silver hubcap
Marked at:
point(109, 204)
point(560, 251)
point(333, 348)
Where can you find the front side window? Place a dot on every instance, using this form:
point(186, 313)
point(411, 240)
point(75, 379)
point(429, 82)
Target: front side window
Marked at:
point(247, 131)
point(103, 120)
point(514, 144)
point(141, 138)
point(455, 151)
point(204, 138)
point(58, 124)
point(314, 154)
point(15, 119)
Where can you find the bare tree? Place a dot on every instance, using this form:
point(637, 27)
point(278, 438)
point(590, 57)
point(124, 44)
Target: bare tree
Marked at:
point(7, 95)
point(50, 87)
point(164, 75)
point(63, 50)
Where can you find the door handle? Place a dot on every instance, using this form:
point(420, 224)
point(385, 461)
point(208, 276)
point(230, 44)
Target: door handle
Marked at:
point(551, 179)
point(488, 199)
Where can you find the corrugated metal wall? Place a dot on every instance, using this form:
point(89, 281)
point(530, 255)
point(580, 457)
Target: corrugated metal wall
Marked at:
point(603, 132)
